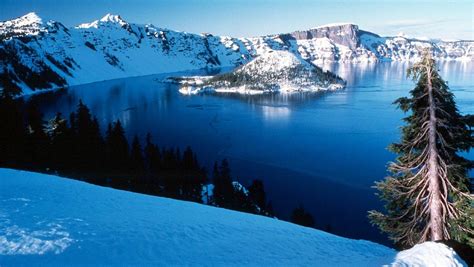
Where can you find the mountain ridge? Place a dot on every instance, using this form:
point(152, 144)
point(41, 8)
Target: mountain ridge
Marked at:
point(44, 55)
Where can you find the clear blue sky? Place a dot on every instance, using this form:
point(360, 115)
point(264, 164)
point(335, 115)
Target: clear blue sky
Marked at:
point(435, 19)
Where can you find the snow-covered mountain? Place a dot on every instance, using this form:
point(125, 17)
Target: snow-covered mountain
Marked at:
point(38, 54)
point(273, 71)
point(51, 221)
point(29, 24)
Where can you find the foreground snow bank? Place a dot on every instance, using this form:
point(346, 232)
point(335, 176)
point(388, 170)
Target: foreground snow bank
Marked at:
point(428, 254)
point(47, 220)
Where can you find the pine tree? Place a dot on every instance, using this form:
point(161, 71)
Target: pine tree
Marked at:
point(12, 131)
point(117, 149)
point(37, 138)
point(193, 176)
point(223, 193)
point(89, 140)
point(108, 149)
point(189, 160)
point(137, 164)
point(269, 209)
point(61, 142)
point(170, 175)
point(152, 162)
point(97, 145)
point(427, 194)
point(257, 194)
point(301, 217)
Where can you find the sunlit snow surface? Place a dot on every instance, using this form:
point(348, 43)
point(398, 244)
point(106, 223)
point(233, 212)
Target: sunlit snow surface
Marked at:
point(47, 220)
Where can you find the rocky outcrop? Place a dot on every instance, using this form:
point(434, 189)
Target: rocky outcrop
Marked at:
point(342, 34)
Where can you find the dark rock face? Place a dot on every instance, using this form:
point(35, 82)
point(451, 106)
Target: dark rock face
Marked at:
point(343, 34)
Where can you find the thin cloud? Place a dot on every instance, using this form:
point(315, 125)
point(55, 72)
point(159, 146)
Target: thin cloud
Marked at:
point(424, 28)
point(409, 23)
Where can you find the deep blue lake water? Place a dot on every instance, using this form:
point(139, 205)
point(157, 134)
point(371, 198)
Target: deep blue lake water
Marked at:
point(321, 150)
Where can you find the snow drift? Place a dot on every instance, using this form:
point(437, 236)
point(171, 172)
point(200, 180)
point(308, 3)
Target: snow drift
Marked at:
point(48, 220)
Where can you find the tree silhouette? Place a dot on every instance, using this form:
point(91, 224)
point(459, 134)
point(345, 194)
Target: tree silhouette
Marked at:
point(61, 142)
point(223, 187)
point(12, 131)
point(76, 149)
point(37, 139)
point(301, 217)
point(257, 194)
point(137, 162)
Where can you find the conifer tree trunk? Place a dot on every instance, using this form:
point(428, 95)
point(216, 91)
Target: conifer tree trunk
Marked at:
point(436, 217)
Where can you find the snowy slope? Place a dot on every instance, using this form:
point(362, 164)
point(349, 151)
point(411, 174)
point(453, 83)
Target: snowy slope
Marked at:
point(39, 54)
point(47, 220)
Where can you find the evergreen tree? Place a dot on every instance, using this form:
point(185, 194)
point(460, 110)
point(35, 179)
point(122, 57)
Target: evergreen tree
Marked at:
point(117, 149)
point(83, 120)
point(152, 162)
point(12, 131)
point(72, 122)
point(37, 138)
point(194, 176)
point(97, 145)
point(215, 172)
point(301, 217)
point(269, 209)
point(108, 142)
point(427, 194)
point(89, 143)
point(61, 142)
point(257, 194)
point(171, 175)
point(137, 164)
point(242, 202)
point(189, 163)
point(223, 188)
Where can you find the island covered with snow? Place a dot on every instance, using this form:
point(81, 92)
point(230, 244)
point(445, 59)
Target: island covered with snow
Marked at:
point(274, 71)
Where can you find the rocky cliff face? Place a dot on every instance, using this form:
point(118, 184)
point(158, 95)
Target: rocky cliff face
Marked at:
point(35, 54)
point(341, 34)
